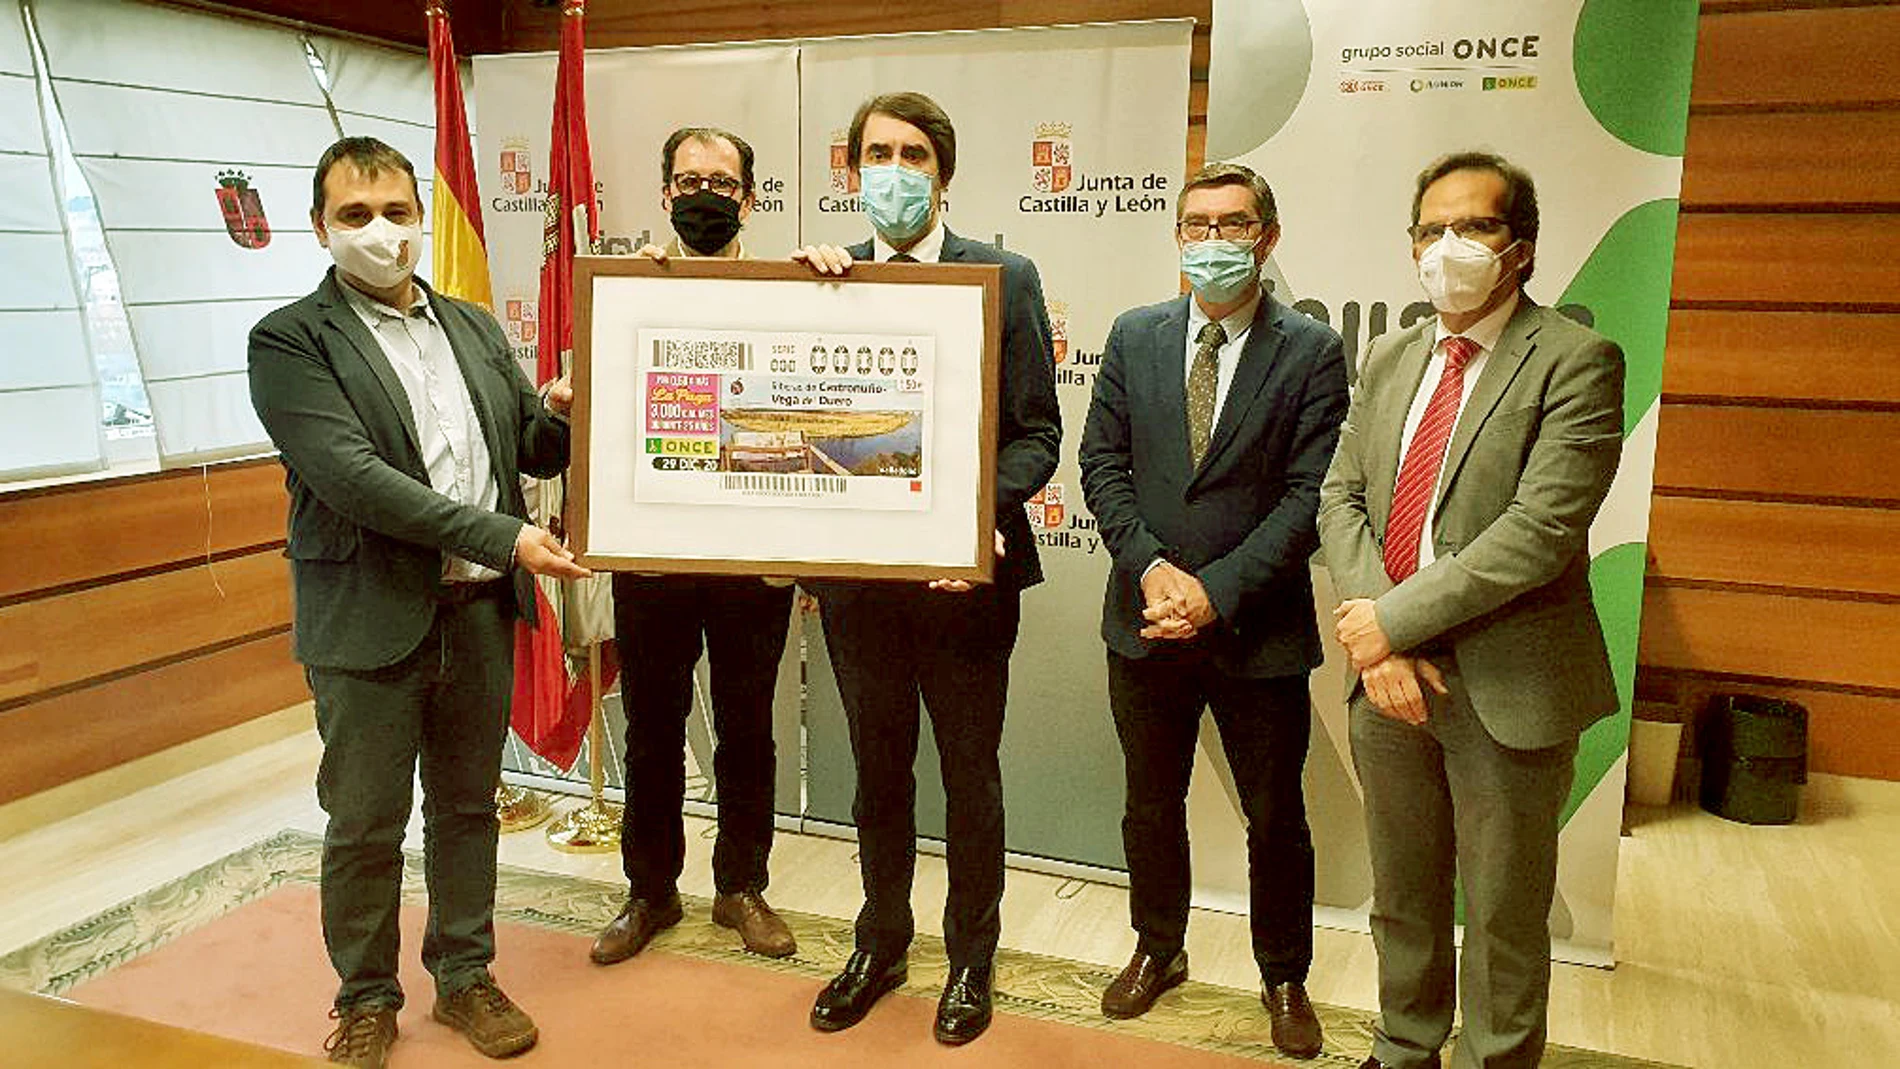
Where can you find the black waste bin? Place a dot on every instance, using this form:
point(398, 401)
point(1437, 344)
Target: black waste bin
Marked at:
point(1754, 758)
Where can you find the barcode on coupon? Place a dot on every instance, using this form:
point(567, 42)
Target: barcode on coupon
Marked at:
point(764, 482)
point(702, 354)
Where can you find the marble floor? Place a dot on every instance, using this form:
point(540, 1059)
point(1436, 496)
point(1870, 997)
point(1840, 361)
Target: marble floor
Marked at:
point(1736, 946)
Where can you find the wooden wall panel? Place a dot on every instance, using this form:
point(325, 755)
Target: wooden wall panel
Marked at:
point(61, 738)
point(1786, 452)
point(85, 531)
point(1820, 56)
point(1742, 159)
point(1845, 643)
point(1815, 547)
point(72, 638)
point(1788, 258)
point(1827, 357)
point(1849, 733)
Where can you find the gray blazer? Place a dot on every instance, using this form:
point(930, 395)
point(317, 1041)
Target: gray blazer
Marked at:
point(366, 531)
point(1508, 596)
point(1242, 521)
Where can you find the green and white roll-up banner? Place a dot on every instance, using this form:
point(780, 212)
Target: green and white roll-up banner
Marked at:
point(1341, 106)
point(1070, 143)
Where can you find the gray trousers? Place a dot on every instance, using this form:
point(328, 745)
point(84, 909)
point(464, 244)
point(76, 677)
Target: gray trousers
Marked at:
point(1447, 798)
point(443, 709)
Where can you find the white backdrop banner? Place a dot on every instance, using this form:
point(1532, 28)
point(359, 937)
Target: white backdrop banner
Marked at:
point(635, 98)
point(1070, 143)
point(1341, 106)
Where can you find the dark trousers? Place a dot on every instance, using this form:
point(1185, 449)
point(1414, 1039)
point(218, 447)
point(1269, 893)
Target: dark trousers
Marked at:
point(1445, 798)
point(890, 645)
point(1264, 727)
point(660, 623)
point(443, 708)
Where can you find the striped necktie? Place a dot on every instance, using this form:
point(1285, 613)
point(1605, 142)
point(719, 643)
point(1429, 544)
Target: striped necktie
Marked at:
point(1418, 474)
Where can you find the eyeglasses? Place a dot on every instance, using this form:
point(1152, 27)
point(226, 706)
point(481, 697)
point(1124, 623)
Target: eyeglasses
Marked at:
point(1482, 226)
point(688, 183)
point(1232, 227)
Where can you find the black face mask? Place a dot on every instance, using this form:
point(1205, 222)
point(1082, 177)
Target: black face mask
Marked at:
point(705, 221)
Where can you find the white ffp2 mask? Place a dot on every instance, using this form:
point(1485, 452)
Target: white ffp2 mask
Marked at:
point(1458, 274)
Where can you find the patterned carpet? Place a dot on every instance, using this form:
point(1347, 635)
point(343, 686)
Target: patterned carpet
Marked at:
point(1199, 1016)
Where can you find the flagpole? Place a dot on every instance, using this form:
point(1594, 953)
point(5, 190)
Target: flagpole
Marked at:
point(595, 827)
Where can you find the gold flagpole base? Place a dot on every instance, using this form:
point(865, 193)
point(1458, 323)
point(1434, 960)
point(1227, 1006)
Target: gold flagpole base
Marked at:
point(592, 829)
point(519, 808)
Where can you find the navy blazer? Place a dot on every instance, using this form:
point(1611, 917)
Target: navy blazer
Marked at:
point(1243, 521)
point(366, 531)
point(1029, 423)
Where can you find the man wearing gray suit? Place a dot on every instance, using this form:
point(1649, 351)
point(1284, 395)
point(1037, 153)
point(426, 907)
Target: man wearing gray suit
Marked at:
point(1210, 428)
point(1455, 521)
point(404, 427)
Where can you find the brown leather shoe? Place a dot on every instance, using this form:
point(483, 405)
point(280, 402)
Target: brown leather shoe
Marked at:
point(1295, 1026)
point(362, 1037)
point(489, 1019)
point(1143, 981)
point(628, 934)
point(763, 931)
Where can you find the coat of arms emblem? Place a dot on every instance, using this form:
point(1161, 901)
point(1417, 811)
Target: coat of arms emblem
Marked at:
point(520, 313)
point(243, 210)
point(843, 179)
point(1045, 507)
point(1059, 329)
point(1049, 158)
point(517, 171)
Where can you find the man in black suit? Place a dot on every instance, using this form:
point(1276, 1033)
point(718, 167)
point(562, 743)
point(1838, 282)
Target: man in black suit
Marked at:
point(948, 641)
point(404, 426)
point(1212, 422)
point(663, 622)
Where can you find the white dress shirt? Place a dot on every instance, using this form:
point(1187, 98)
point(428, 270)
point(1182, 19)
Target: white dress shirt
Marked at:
point(928, 250)
point(1485, 334)
point(454, 453)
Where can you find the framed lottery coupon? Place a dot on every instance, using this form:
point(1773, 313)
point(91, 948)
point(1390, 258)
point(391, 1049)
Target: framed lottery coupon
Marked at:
point(750, 417)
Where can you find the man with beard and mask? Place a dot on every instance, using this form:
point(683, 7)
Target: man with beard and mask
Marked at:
point(946, 641)
point(1211, 424)
point(404, 427)
point(662, 623)
point(1455, 520)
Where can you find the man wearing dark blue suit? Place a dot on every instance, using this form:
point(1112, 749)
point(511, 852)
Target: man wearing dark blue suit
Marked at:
point(948, 642)
point(1212, 422)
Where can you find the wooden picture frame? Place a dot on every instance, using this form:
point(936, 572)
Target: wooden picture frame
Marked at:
point(705, 422)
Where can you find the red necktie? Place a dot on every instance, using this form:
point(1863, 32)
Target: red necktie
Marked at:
point(1418, 475)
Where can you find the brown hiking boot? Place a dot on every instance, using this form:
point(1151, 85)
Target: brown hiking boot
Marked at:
point(490, 1020)
point(362, 1037)
point(763, 931)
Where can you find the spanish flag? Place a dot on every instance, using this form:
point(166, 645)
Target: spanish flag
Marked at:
point(461, 252)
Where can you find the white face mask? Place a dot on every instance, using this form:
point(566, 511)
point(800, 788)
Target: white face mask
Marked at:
point(1458, 274)
point(381, 253)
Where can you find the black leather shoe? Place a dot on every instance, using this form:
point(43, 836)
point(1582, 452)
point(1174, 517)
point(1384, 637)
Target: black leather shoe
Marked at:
point(964, 1010)
point(851, 994)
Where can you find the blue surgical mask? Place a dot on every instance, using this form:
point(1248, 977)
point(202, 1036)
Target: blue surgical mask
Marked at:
point(897, 199)
point(1219, 270)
